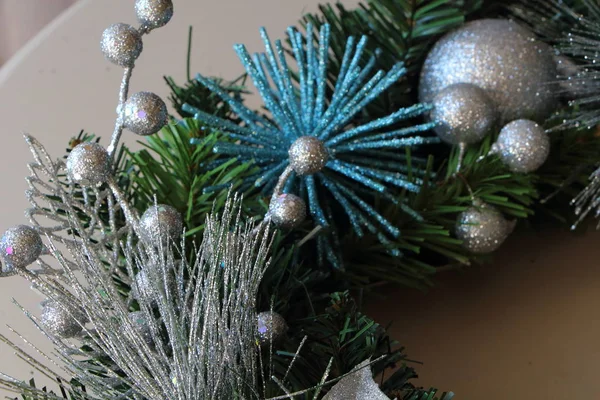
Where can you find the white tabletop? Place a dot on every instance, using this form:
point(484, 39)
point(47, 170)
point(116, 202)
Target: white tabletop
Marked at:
point(524, 326)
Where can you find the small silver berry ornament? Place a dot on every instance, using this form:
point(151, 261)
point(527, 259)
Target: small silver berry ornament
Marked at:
point(88, 164)
point(149, 285)
point(144, 113)
point(160, 223)
point(287, 211)
point(154, 13)
point(121, 44)
point(19, 247)
point(357, 385)
point(141, 326)
point(61, 322)
point(271, 328)
point(500, 57)
point(523, 146)
point(482, 228)
point(308, 155)
point(464, 113)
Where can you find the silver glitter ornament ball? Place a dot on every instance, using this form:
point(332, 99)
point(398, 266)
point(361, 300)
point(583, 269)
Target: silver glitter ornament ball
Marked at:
point(287, 211)
point(271, 328)
point(141, 326)
point(121, 44)
point(154, 13)
point(523, 146)
point(144, 113)
point(464, 114)
point(88, 164)
point(19, 247)
point(482, 228)
point(308, 155)
point(160, 224)
point(60, 322)
point(146, 290)
point(357, 385)
point(500, 57)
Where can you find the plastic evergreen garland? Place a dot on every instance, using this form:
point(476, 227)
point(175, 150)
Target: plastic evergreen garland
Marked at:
point(346, 137)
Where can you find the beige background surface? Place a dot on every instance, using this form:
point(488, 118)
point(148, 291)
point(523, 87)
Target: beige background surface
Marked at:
point(523, 327)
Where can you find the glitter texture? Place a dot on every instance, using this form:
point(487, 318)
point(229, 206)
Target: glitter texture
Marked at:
point(144, 113)
point(482, 228)
point(523, 146)
point(140, 324)
point(121, 44)
point(160, 223)
point(88, 164)
point(271, 328)
point(357, 385)
point(500, 57)
point(153, 13)
point(362, 159)
point(308, 155)
point(19, 247)
point(287, 211)
point(464, 114)
point(61, 322)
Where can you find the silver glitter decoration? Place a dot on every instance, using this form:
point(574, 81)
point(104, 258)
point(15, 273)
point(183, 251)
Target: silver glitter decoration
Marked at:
point(500, 57)
point(121, 44)
point(150, 285)
point(154, 13)
point(308, 155)
point(19, 247)
point(271, 328)
point(523, 146)
point(88, 164)
point(287, 211)
point(160, 223)
point(140, 324)
point(7, 270)
point(357, 385)
point(464, 114)
point(482, 228)
point(59, 321)
point(144, 113)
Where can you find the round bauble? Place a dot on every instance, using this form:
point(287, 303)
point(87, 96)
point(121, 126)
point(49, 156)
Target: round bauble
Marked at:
point(144, 113)
point(271, 328)
point(523, 146)
point(500, 57)
point(141, 326)
point(160, 224)
point(287, 211)
point(308, 155)
point(154, 13)
point(121, 44)
point(145, 289)
point(60, 322)
point(19, 247)
point(88, 164)
point(482, 228)
point(464, 113)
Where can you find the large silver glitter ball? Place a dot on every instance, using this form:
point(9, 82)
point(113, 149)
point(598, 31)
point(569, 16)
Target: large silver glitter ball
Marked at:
point(121, 44)
point(482, 228)
point(464, 114)
point(88, 164)
point(20, 246)
point(308, 155)
point(271, 328)
point(144, 113)
point(523, 146)
point(160, 224)
point(60, 322)
point(287, 211)
point(154, 13)
point(500, 57)
point(141, 326)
